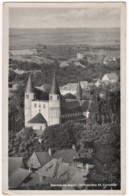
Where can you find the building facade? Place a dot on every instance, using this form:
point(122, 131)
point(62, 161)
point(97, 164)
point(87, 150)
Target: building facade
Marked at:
point(56, 110)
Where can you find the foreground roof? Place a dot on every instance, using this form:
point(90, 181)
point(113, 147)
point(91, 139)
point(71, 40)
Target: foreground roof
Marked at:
point(38, 119)
point(67, 155)
point(15, 163)
point(43, 157)
point(17, 177)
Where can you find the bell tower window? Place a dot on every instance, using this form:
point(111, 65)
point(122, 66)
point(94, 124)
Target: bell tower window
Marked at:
point(50, 97)
point(27, 96)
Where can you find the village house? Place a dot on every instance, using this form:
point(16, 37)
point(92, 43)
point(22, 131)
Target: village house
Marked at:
point(39, 159)
point(110, 78)
point(79, 56)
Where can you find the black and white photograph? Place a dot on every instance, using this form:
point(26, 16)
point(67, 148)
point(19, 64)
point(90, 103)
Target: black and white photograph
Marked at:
point(64, 92)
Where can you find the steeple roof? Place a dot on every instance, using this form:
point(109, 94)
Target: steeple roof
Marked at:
point(79, 91)
point(55, 87)
point(29, 86)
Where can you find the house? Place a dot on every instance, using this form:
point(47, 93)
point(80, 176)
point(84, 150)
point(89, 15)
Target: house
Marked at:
point(15, 163)
point(80, 56)
point(110, 78)
point(57, 170)
point(39, 159)
point(64, 64)
point(18, 177)
point(66, 155)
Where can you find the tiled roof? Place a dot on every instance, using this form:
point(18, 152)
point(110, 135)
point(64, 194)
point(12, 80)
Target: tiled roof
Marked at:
point(49, 169)
point(17, 177)
point(15, 163)
point(55, 88)
point(38, 119)
point(43, 157)
point(29, 86)
point(67, 155)
point(75, 106)
point(85, 105)
point(34, 180)
point(80, 118)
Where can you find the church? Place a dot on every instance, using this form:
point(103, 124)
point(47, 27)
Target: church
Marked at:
point(42, 113)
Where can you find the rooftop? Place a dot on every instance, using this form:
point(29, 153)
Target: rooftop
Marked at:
point(15, 163)
point(38, 119)
point(17, 177)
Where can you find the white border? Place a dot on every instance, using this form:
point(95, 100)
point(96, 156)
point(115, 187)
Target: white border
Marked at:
point(5, 112)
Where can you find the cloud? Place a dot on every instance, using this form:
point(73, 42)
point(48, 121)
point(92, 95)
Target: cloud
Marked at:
point(64, 17)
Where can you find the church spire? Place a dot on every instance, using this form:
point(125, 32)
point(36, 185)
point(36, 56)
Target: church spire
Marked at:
point(55, 87)
point(29, 86)
point(79, 91)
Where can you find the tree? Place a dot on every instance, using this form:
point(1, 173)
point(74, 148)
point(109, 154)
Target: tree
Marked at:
point(62, 136)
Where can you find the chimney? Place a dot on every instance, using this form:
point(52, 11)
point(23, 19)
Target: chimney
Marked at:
point(73, 147)
point(50, 152)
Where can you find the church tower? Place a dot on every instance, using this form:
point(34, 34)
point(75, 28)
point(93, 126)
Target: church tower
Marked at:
point(79, 92)
point(54, 112)
point(29, 96)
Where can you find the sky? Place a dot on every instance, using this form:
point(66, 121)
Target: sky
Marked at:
point(64, 17)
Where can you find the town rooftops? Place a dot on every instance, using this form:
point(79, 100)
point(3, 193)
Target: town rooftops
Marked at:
point(17, 177)
point(29, 86)
point(75, 106)
point(49, 169)
point(67, 155)
point(38, 119)
point(43, 157)
point(15, 163)
point(55, 88)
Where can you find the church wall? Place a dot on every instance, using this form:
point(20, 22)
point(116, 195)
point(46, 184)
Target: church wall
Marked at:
point(37, 126)
point(41, 106)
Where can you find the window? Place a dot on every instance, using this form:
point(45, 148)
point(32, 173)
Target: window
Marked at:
point(40, 127)
point(27, 96)
point(50, 97)
point(39, 105)
point(35, 105)
point(43, 105)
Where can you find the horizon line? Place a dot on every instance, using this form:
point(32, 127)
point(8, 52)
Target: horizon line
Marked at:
point(66, 28)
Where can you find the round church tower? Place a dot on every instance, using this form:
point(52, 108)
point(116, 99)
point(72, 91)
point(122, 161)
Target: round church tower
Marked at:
point(54, 112)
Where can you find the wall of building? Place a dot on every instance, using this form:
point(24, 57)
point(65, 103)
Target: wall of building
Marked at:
point(37, 126)
point(27, 104)
point(41, 106)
